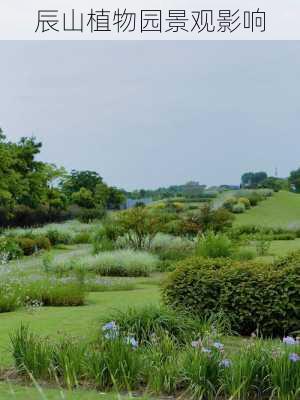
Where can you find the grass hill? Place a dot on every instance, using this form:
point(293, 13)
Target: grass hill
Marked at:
point(282, 209)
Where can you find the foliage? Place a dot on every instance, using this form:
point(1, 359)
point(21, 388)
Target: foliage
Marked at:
point(9, 249)
point(253, 179)
point(87, 189)
point(239, 208)
point(10, 296)
point(202, 369)
point(90, 214)
point(244, 254)
point(122, 263)
point(54, 293)
point(57, 236)
point(262, 246)
point(214, 245)
point(294, 180)
point(148, 323)
point(139, 227)
point(169, 247)
point(254, 296)
point(244, 201)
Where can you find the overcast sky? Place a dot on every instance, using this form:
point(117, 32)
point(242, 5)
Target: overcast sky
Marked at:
point(149, 114)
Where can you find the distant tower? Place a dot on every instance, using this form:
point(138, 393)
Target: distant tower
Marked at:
point(276, 172)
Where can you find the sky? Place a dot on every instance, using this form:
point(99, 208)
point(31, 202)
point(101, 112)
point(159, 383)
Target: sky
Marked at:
point(145, 114)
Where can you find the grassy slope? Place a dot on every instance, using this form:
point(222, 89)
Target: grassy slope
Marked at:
point(283, 209)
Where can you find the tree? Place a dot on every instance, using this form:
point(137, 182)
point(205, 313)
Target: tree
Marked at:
point(294, 180)
point(275, 183)
point(83, 198)
point(81, 179)
point(253, 179)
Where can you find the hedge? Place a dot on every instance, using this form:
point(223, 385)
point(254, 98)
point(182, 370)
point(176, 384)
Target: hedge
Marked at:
point(256, 297)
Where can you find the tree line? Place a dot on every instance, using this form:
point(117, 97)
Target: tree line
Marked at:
point(33, 192)
point(256, 180)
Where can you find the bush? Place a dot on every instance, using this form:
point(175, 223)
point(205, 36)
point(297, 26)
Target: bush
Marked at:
point(105, 237)
point(169, 247)
point(82, 237)
point(58, 237)
point(254, 296)
point(254, 198)
point(262, 246)
point(43, 243)
point(214, 245)
point(245, 201)
point(54, 293)
point(27, 245)
point(87, 215)
point(9, 250)
point(122, 263)
point(239, 208)
point(229, 203)
point(10, 296)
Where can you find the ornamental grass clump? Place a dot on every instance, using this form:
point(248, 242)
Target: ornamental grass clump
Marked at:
point(214, 245)
point(52, 292)
point(122, 263)
point(203, 368)
point(147, 322)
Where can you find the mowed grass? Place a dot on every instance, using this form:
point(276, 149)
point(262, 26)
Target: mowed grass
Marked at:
point(79, 321)
point(282, 209)
point(11, 391)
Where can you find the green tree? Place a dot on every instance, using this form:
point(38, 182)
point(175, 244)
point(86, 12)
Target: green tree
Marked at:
point(253, 179)
point(83, 198)
point(294, 180)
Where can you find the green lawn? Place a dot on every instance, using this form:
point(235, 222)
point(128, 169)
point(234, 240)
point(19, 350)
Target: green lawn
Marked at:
point(82, 321)
point(282, 209)
point(9, 391)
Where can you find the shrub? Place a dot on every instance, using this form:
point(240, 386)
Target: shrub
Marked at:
point(229, 203)
point(139, 226)
point(253, 296)
point(239, 208)
point(122, 263)
point(10, 296)
point(9, 250)
point(146, 323)
point(262, 246)
point(254, 198)
point(43, 243)
point(105, 237)
point(245, 201)
point(27, 245)
point(90, 214)
point(214, 245)
point(82, 237)
point(169, 247)
point(54, 293)
point(58, 237)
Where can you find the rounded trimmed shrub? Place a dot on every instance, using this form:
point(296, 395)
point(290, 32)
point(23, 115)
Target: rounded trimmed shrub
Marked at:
point(239, 208)
point(253, 296)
